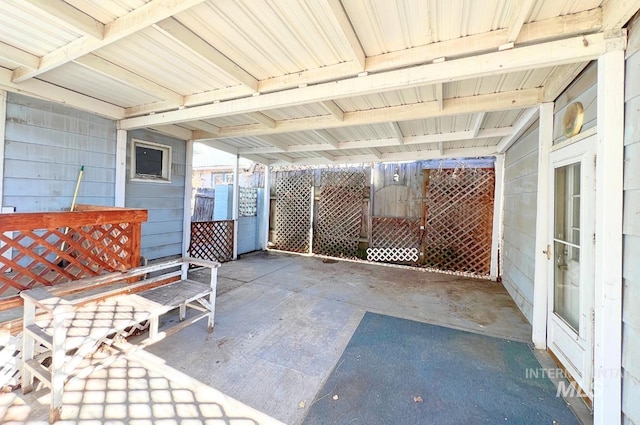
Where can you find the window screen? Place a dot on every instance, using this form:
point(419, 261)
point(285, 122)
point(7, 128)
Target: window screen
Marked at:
point(148, 161)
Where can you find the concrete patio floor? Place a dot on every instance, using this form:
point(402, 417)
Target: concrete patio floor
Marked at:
point(282, 322)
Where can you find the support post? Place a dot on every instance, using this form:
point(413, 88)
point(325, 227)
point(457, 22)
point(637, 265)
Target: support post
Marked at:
point(372, 191)
point(541, 278)
point(3, 119)
point(121, 167)
point(496, 237)
point(186, 220)
point(266, 206)
point(607, 351)
point(236, 204)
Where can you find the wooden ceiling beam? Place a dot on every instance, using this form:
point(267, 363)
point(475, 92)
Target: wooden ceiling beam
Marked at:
point(477, 125)
point(397, 131)
point(136, 20)
point(262, 119)
point(43, 90)
point(196, 45)
point(458, 106)
point(541, 31)
point(399, 156)
point(116, 72)
point(554, 53)
point(522, 10)
point(343, 26)
point(173, 131)
point(534, 32)
point(205, 126)
point(333, 109)
point(378, 143)
point(616, 13)
point(329, 138)
point(18, 56)
point(70, 17)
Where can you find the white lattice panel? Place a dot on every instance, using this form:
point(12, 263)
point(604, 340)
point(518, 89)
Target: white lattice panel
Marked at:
point(248, 202)
point(393, 255)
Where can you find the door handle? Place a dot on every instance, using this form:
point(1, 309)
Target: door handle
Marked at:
point(548, 252)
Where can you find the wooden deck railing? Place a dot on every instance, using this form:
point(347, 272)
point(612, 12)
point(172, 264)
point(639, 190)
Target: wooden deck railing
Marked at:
point(52, 247)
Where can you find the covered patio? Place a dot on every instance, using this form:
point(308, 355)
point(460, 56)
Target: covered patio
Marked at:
point(282, 324)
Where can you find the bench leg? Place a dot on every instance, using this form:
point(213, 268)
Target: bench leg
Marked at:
point(28, 346)
point(212, 300)
point(153, 327)
point(58, 376)
point(183, 311)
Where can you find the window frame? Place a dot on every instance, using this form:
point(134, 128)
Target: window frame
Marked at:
point(166, 162)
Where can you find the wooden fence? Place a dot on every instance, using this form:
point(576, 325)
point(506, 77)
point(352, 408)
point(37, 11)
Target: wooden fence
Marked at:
point(53, 247)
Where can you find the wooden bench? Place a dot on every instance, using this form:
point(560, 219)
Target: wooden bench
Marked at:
point(72, 320)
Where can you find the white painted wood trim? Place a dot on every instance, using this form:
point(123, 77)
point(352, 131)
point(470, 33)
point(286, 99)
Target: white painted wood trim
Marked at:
point(541, 281)
point(236, 203)
point(266, 213)
point(498, 197)
point(553, 53)
point(186, 220)
point(3, 120)
point(121, 168)
point(607, 403)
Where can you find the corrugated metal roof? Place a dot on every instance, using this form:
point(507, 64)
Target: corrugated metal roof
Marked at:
point(81, 79)
point(267, 56)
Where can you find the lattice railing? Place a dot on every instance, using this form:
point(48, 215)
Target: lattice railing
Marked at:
point(459, 220)
point(394, 239)
point(53, 247)
point(293, 213)
point(212, 240)
point(339, 220)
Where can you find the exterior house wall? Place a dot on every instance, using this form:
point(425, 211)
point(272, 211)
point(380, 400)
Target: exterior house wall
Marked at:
point(631, 236)
point(45, 145)
point(162, 233)
point(519, 219)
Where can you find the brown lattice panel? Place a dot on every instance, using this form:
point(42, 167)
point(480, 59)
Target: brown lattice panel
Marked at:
point(394, 239)
point(49, 248)
point(212, 240)
point(459, 220)
point(339, 221)
point(293, 213)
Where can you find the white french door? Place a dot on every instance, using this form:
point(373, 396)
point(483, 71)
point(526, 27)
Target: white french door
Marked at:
point(571, 255)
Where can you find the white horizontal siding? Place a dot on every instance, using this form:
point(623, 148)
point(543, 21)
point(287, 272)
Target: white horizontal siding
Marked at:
point(162, 233)
point(45, 145)
point(520, 186)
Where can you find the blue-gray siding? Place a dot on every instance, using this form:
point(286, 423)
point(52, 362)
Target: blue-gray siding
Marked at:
point(46, 143)
point(519, 234)
point(162, 233)
point(631, 241)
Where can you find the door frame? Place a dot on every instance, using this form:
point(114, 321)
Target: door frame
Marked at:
point(575, 151)
point(608, 286)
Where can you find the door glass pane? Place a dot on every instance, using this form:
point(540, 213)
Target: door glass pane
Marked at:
point(567, 244)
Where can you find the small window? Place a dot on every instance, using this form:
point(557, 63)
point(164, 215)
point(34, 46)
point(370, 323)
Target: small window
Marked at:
point(150, 161)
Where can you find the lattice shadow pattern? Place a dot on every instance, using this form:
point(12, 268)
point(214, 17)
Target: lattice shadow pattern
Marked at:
point(51, 256)
point(339, 219)
point(293, 213)
point(212, 240)
point(459, 220)
point(392, 235)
